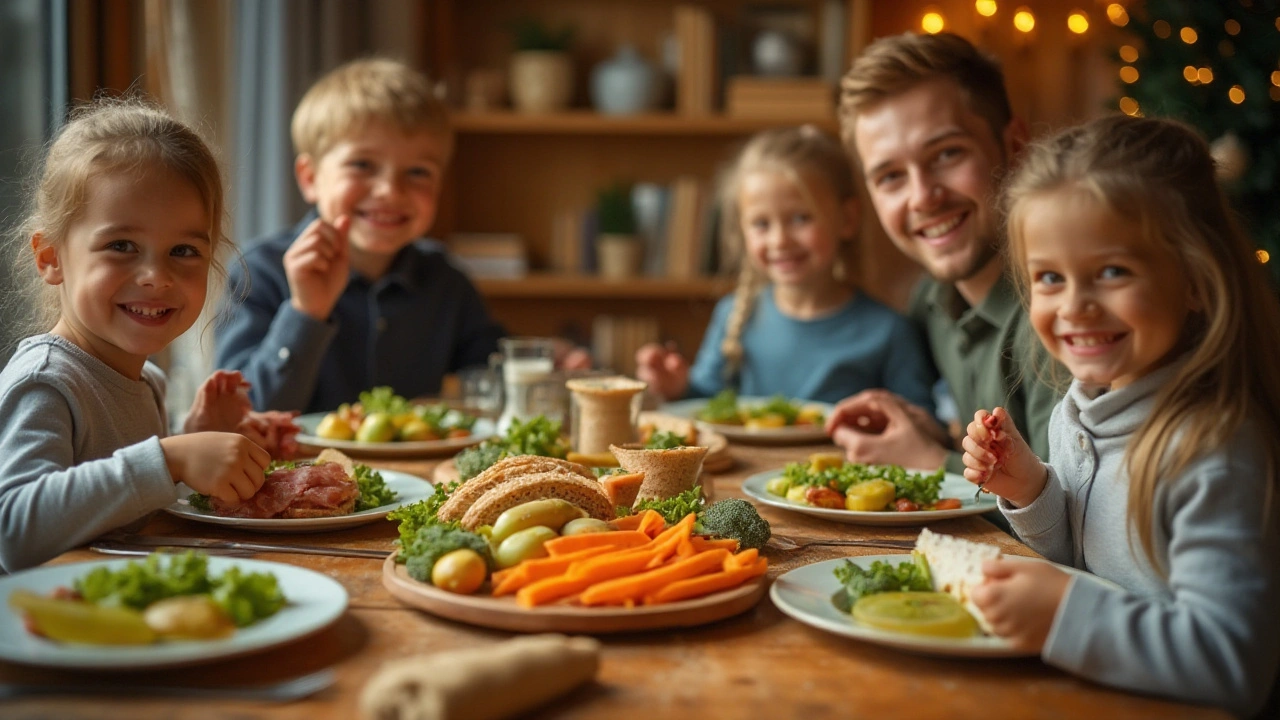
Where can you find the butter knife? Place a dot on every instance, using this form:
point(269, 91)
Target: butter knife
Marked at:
point(120, 543)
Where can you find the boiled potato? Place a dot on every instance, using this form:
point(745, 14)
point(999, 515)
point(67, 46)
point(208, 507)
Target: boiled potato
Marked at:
point(821, 461)
point(778, 485)
point(188, 617)
point(582, 526)
point(334, 427)
point(461, 571)
point(524, 545)
point(869, 496)
point(765, 422)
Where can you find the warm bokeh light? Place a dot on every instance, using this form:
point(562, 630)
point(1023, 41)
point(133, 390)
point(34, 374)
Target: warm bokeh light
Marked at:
point(1233, 27)
point(1117, 14)
point(986, 8)
point(1189, 35)
point(1078, 22)
point(1189, 72)
point(1129, 74)
point(1162, 29)
point(1264, 257)
point(1275, 94)
point(1024, 20)
point(1236, 94)
point(1275, 78)
point(932, 23)
point(1129, 106)
point(1204, 75)
point(1129, 53)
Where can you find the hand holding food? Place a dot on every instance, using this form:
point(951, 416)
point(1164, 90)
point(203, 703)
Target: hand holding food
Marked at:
point(227, 466)
point(998, 460)
point(273, 431)
point(665, 370)
point(317, 266)
point(1019, 600)
point(220, 405)
point(330, 485)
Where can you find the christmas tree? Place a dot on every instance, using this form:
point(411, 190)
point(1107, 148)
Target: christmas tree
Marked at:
point(1214, 65)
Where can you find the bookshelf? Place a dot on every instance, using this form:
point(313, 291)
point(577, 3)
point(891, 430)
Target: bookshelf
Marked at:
point(523, 174)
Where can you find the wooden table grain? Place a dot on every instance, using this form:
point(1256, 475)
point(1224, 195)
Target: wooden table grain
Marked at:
point(761, 664)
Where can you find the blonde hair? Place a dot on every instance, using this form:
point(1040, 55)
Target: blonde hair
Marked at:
point(893, 65)
point(108, 136)
point(1159, 173)
point(798, 153)
point(370, 91)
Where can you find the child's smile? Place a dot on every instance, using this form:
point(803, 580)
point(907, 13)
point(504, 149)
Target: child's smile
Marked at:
point(1104, 302)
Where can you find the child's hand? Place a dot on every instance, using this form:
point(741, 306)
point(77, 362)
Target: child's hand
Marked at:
point(664, 369)
point(317, 265)
point(878, 427)
point(273, 431)
point(221, 403)
point(998, 460)
point(227, 466)
point(1020, 599)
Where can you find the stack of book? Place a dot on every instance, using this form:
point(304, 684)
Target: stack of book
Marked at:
point(490, 255)
point(780, 98)
point(696, 78)
point(616, 338)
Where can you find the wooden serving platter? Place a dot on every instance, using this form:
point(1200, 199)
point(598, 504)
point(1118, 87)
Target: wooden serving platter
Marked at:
point(505, 614)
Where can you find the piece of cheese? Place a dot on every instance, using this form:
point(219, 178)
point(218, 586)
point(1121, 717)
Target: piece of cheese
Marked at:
point(622, 489)
point(956, 566)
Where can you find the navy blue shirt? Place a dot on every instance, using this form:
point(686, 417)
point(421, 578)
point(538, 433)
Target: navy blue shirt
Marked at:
point(407, 329)
point(859, 346)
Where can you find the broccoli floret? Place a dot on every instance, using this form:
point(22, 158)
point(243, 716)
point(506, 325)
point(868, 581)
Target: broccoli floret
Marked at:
point(433, 542)
point(737, 519)
point(475, 460)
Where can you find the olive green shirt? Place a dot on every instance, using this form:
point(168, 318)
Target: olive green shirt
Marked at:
point(989, 356)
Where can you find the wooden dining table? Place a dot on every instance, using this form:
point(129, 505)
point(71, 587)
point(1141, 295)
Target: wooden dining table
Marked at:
point(760, 664)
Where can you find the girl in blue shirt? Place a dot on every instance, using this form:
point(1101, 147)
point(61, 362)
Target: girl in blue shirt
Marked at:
point(796, 325)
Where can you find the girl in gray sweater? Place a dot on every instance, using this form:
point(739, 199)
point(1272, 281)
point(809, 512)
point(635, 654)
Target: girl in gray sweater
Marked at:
point(124, 228)
point(1164, 451)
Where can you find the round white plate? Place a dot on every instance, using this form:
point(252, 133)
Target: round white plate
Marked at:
point(806, 595)
point(483, 428)
point(313, 603)
point(409, 489)
point(792, 435)
point(953, 486)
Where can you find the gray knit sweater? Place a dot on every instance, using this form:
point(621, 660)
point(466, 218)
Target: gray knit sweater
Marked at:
point(79, 450)
point(1209, 631)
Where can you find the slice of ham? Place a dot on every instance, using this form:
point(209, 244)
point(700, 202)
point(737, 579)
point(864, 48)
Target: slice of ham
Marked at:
point(316, 487)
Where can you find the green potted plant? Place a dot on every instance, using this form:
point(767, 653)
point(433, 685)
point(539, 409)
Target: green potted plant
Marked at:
point(541, 67)
point(618, 248)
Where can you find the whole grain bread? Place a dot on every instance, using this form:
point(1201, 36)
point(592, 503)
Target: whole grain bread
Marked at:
point(504, 470)
point(586, 494)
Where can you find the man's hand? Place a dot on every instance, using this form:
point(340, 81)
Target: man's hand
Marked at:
point(664, 369)
point(880, 428)
point(317, 266)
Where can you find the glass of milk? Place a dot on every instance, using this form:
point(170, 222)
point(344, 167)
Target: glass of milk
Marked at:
point(527, 365)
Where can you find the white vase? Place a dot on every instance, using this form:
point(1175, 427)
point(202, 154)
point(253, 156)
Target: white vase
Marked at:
point(618, 256)
point(541, 81)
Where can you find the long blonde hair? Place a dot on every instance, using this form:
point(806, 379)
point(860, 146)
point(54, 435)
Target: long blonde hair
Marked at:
point(798, 153)
point(105, 137)
point(1159, 173)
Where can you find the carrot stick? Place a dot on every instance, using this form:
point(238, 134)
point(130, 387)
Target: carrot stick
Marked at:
point(556, 587)
point(631, 589)
point(630, 522)
point(651, 523)
point(512, 579)
point(702, 544)
point(707, 584)
point(619, 539)
point(746, 558)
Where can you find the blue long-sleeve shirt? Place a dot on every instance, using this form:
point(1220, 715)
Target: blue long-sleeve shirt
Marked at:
point(407, 329)
point(860, 346)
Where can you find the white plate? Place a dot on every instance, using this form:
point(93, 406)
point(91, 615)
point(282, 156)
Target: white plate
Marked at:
point(806, 595)
point(483, 428)
point(313, 603)
point(409, 488)
point(953, 486)
point(794, 434)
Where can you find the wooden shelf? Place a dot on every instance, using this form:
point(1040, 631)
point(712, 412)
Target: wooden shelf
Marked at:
point(592, 123)
point(549, 285)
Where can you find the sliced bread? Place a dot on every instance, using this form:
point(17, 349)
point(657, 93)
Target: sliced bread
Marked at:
point(586, 494)
point(500, 472)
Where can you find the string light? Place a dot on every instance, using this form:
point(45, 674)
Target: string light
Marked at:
point(1189, 35)
point(1162, 29)
point(1117, 14)
point(1024, 20)
point(1233, 27)
point(1129, 53)
point(932, 22)
point(1264, 257)
point(1189, 72)
point(1205, 75)
point(985, 8)
point(1129, 106)
point(1129, 74)
point(1236, 94)
point(1078, 22)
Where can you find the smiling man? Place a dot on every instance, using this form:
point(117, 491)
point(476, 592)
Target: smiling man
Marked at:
point(929, 121)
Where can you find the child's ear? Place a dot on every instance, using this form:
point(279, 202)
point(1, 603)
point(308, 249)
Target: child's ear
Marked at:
point(47, 262)
point(304, 169)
